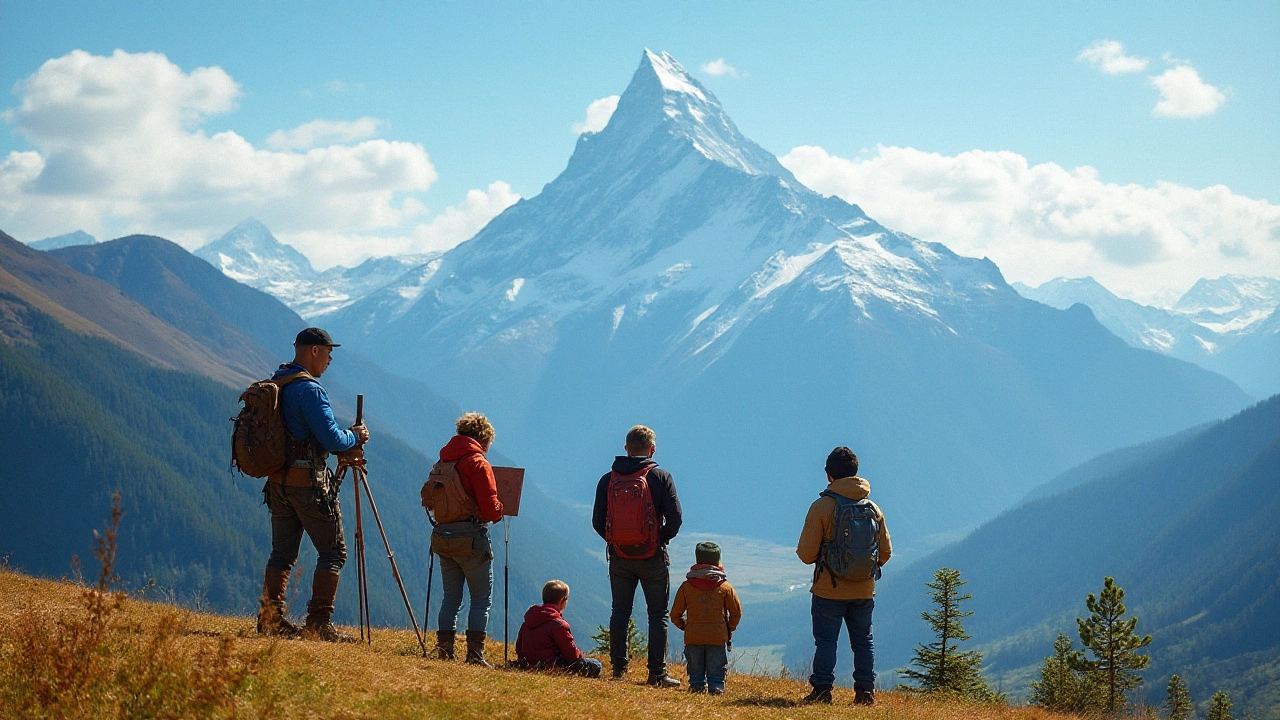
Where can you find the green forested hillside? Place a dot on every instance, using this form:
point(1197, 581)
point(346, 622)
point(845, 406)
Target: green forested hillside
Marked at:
point(1190, 533)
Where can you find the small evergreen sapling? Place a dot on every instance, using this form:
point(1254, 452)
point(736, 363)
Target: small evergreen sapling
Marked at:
point(637, 646)
point(943, 667)
point(1177, 700)
point(1063, 685)
point(1110, 637)
point(1220, 707)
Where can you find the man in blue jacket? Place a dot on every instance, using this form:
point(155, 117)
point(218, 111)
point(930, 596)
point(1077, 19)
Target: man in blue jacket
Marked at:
point(303, 497)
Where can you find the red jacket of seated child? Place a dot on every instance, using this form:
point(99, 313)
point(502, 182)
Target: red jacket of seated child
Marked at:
point(545, 637)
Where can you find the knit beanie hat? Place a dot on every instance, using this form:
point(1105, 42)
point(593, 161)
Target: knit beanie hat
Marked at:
point(842, 463)
point(707, 553)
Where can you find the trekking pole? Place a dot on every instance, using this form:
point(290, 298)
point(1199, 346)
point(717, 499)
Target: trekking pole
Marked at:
point(506, 586)
point(426, 612)
point(362, 578)
point(363, 478)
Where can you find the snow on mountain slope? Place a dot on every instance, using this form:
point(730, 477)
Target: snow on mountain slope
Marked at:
point(1231, 303)
point(676, 274)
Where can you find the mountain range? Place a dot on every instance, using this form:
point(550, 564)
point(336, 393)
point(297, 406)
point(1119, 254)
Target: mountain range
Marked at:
point(79, 237)
point(1229, 325)
point(676, 274)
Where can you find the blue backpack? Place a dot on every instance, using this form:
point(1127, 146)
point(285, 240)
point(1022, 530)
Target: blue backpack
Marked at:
point(853, 553)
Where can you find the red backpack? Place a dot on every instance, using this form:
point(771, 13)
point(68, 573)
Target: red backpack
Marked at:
point(631, 520)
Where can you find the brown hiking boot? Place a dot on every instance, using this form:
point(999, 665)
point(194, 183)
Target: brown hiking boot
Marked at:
point(475, 648)
point(272, 611)
point(819, 695)
point(444, 644)
point(864, 697)
point(324, 588)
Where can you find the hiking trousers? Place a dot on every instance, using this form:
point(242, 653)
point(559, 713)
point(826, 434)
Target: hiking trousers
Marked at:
point(295, 510)
point(654, 579)
point(707, 664)
point(828, 615)
point(476, 571)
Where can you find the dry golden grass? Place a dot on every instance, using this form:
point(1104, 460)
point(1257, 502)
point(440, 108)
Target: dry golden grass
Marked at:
point(296, 679)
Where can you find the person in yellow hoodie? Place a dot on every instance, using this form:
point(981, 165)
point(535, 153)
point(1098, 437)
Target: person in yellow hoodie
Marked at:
point(845, 539)
point(706, 608)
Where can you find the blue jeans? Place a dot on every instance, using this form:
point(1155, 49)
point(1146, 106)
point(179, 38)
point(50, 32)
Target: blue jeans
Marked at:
point(476, 570)
point(827, 617)
point(655, 581)
point(707, 665)
point(585, 666)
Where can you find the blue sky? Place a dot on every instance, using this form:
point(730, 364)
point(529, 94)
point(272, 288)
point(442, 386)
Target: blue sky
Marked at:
point(491, 91)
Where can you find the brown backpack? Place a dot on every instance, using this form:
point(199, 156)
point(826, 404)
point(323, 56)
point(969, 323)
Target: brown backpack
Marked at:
point(260, 442)
point(444, 496)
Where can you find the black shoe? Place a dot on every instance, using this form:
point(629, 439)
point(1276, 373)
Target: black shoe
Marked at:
point(716, 691)
point(864, 697)
point(619, 672)
point(664, 681)
point(819, 695)
point(697, 688)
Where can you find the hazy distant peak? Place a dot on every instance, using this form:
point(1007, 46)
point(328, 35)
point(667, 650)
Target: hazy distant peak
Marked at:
point(79, 237)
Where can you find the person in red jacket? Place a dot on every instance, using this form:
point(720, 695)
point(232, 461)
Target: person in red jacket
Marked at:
point(545, 640)
point(466, 554)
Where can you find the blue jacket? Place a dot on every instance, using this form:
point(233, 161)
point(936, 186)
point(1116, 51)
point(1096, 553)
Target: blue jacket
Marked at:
point(308, 414)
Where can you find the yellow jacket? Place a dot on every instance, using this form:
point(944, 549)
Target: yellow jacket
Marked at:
point(712, 614)
point(818, 529)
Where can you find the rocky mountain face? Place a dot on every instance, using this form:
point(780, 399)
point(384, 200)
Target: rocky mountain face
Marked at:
point(250, 254)
point(1228, 325)
point(675, 274)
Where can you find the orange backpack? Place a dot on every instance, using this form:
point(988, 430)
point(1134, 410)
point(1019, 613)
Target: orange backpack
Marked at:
point(260, 442)
point(444, 496)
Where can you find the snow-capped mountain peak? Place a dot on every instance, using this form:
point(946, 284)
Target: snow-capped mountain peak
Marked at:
point(250, 254)
point(1231, 303)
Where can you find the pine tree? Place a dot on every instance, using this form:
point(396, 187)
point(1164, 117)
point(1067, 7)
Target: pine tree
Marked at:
point(1178, 700)
point(1219, 707)
point(943, 667)
point(1063, 686)
point(1114, 645)
point(637, 646)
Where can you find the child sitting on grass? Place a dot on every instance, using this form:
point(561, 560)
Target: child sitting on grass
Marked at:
point(545, 641)
point(713, 613)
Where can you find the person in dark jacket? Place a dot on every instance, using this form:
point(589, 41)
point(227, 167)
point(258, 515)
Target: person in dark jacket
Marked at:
point(545, 641)
point(303, 496)
point(474, 567)
point(652, 574)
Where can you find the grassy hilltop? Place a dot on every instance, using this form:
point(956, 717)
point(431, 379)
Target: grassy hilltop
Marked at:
point(71, 651)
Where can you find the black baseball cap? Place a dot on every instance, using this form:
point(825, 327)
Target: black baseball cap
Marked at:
point(314, 336)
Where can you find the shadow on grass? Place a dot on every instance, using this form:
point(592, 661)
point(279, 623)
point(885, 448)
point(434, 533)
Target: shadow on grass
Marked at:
point(770, 702)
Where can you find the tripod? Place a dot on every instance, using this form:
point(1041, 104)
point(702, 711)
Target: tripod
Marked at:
point(361, 478)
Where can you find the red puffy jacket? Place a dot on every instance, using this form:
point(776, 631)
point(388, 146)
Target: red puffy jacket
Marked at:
point(476, 473)
point(545, 637)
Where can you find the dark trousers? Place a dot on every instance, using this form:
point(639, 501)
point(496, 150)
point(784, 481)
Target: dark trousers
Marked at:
point(828, 615)
point(294, 510)
point(707, 664)
point(654, 580)
point(584, 666)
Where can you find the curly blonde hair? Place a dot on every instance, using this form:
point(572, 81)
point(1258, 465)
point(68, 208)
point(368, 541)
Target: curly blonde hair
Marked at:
point(476, 425)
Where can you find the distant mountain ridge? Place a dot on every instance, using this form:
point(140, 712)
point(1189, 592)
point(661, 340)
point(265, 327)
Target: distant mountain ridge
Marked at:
point(675, 274)
point(79, 237)
point(250, 254)
point(1229, 325)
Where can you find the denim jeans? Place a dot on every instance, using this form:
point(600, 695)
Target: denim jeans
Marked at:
point(294, 510)
point(654, 580)
point(827, 617)
point(584, 666)
point(476, 570)
point(707, 665)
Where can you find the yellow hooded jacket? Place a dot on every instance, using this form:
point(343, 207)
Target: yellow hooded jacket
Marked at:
point(819, 525)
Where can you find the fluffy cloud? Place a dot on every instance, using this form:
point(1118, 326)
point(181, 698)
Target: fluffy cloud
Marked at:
point(719, 67)
point(118, 148)
point(1038, 222)
point(320, 132)
point(1108, 56)
point(1184, 94)
point(598, 114)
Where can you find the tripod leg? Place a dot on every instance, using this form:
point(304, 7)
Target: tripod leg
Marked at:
point(363, 478)
point(506, 587)
point(362, 586)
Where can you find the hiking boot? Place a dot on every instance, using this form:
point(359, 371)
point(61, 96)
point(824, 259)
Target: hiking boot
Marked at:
point(271, 608)
point(819, 695)
point(324, 588)
point(619, 672)
point(663, 681)
point(444, 644)
point(714, 690)
point(864, 697)
point(475, 648)
point(697, 688)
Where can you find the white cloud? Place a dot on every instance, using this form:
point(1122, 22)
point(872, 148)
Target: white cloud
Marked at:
point(1108, 56)
point(1184, 94)
point(598, 114)
point(118, 148)
point(1038, 222)
point(319, 132)
point(719, 67)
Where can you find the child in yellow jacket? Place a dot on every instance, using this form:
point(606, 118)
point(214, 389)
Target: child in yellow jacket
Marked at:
point(713, 612)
